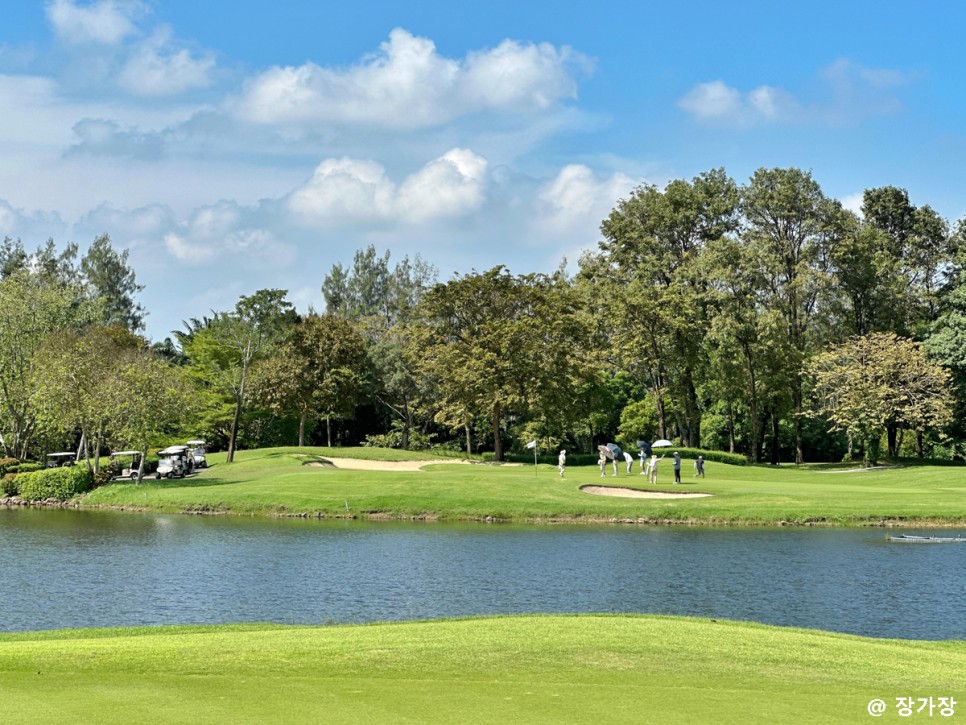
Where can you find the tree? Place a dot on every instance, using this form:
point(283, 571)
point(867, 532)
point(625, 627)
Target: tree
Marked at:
point(648, 271)
point(318, 371)
point(108, 276)
point(497, 344)
point(869, 383)
point(148, 400)
point(791, 226)
point(257, 322)
point(33, 306)
point(380, 299)
point(73, 375)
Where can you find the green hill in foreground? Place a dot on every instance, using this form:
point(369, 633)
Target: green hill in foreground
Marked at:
point(280, 481)
point(533, 669)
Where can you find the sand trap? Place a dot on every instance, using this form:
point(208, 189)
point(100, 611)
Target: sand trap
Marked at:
point(862, 470)
point(634, 493)
point(358, 464)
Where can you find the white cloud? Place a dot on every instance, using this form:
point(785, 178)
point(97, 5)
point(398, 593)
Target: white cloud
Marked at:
point(156, 69)
point(408, 85)
point(450, 186)
point(350, 190)
point(853, 202)
point(229, 234)
point(844, 93)
point(186, 251)
point(717, 101)
point(105, 22)
point(576, 200)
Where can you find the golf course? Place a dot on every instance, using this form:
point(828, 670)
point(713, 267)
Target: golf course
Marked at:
point(384, 483)
point(536, 668)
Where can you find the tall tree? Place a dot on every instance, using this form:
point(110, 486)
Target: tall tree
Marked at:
point(73, 375)
point(33, 306)
point(499, 343)
point(245, 334)
point(791, 226)
point(108, 276)
point(652, 244)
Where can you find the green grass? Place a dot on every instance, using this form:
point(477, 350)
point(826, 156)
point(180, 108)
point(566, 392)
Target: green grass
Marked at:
point(532, 669)
point(275, 482)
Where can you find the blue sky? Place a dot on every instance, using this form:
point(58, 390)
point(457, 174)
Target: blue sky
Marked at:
point(236, 146)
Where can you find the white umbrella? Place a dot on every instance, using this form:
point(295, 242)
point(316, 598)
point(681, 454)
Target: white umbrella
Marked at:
point(663, 443)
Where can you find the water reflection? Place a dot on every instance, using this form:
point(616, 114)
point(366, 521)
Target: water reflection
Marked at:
point(84, 569)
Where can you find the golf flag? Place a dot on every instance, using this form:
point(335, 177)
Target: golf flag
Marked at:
point(532, 444)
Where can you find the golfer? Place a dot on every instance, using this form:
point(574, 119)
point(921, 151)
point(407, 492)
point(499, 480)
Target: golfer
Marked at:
point(699, 466)
point(562, 462)
point(629, 459)
point(602, 462)
point(677, 467)
point(654, 461)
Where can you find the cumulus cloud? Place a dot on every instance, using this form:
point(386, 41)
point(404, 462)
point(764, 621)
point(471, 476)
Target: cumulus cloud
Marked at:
point(228, 232)
point(576, 199)
point(407, 84)
point(106, 22)
point(845, 92)
point(156, 68)
point(348, 190)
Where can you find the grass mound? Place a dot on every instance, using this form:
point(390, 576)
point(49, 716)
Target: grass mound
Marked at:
point(534, 669)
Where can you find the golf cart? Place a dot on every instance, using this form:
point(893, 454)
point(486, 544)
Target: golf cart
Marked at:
point(124, 468)
point(64, 459)
point(197, 451)
point(174, 462)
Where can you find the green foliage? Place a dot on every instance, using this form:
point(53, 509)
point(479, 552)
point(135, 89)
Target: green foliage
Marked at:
point(395, 438)
point(6, 464)
point(27, 467)
point(60, 484)
point(8, 484)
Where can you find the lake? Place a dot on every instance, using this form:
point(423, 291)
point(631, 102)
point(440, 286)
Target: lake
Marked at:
point(98, 569)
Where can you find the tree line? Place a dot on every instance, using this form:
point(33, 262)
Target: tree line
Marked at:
point(759, 318)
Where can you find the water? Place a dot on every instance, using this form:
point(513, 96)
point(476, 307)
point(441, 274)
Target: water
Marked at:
point(97, 569)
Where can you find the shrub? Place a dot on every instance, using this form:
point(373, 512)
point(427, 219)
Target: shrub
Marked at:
point(8, 485)
point(56, 483)
point(25, 468)
point(6, 464)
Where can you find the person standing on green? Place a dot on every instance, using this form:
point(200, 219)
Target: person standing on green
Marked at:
point(677, 467)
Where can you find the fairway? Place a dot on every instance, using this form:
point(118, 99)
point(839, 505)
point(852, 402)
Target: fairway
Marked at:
point(534, 669)
point(279, 482)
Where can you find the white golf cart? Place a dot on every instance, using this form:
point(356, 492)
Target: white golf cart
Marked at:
point(64, 459)
point(126, 464)
point(197, 449)
point(174, 462)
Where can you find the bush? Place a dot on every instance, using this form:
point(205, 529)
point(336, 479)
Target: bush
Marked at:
point(6, 464)
point(8, 485)
point(56, 483)
point(25, 468)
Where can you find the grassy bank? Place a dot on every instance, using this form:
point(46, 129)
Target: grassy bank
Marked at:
point(534, 669)
point(276, 482)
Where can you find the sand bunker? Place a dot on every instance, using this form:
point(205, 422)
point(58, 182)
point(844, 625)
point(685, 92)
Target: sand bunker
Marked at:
point(635, 493)
point(358, 464)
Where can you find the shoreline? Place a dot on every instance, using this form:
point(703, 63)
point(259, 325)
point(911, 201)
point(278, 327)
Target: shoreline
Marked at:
point(436, 517)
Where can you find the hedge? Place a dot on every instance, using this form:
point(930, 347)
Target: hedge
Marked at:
point(8, 484)
point(588, 459)
point(56, 483)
